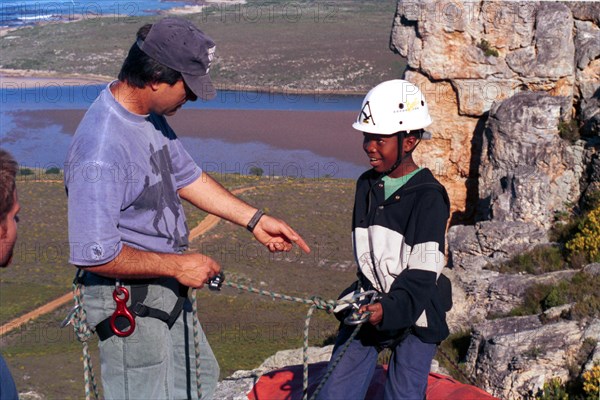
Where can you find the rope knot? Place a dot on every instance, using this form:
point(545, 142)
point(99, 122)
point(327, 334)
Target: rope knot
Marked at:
point(322, 304)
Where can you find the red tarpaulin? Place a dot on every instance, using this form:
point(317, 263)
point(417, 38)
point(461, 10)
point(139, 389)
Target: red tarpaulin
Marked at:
point(286, 384)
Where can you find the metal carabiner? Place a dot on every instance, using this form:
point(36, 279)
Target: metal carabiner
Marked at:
point(358, 318)
point(121, 311)
point(216, 282)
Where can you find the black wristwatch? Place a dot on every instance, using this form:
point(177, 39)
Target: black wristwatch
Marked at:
point(254, 220)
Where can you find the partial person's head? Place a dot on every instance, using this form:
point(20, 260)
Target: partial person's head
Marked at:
point(393, 119)
point(9, 207)
point(174, 52)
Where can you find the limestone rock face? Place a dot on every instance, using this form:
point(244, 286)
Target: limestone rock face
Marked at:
point(477, 291)
point(513, 357)
point(527, 171)
point(469, 55)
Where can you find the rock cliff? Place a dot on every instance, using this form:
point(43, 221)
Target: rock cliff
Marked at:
point(468, 55)
point(514, 92)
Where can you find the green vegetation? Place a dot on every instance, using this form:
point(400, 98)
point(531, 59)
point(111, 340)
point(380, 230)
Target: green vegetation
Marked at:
point(53, 171)
point(584, 387)
point(455, 347)
point(257, 171)
point(487, 48)
point(540, 260)
point(591, 382)
point(576, 240)
point(569, 130)
point(312, 45)
point(583, 290)
point(586, 240)
point(25, 171)
point(553, 390)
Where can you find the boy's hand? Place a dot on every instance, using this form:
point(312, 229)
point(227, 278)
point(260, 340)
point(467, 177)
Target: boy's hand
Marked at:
point(376, 311)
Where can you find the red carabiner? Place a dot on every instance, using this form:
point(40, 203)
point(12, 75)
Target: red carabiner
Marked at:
point(122, 311)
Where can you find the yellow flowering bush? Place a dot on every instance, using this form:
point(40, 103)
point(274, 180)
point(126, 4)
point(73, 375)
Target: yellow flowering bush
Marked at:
point(587, 240)
point(591, 382)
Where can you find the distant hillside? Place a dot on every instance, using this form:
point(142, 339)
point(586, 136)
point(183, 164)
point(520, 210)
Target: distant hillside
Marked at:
point(332, 46)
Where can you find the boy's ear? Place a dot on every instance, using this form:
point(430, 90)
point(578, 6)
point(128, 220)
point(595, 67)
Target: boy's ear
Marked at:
point(3, 230)
point(409, 143)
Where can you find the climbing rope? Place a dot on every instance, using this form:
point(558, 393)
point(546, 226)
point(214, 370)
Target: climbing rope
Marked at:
point(315, 303)
point(319, 303)
point(78, 318)
point(196, 328)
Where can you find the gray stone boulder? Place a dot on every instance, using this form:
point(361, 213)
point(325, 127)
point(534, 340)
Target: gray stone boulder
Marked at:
point(467, 56)
point(552, 50)
point(527, 172)
point(471, 249)
point(513, 357)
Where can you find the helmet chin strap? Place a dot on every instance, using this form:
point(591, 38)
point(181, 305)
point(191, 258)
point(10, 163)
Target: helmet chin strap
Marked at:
point(400, 135)
point(399, 160)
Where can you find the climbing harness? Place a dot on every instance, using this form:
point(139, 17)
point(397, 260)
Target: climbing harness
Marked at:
point(122, 321)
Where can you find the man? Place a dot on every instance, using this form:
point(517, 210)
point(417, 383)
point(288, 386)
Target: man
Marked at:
point(125, 174)
point(9, 210)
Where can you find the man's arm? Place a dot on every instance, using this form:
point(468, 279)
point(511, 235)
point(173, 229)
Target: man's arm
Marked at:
point(191, 269)
point(210, 196)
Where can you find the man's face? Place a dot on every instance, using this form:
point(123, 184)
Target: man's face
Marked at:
point(8, 233)
point(169, 99)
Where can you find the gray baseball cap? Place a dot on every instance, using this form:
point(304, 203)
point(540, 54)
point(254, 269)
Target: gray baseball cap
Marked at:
point(177, 44)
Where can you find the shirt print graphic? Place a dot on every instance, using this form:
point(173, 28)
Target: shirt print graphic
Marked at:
point(161, 199)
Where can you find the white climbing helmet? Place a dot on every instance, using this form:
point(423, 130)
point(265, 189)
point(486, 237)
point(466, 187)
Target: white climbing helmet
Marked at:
point(391, 107)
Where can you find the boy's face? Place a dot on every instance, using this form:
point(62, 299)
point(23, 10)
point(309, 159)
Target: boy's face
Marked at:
point(8, 233)
point(382, 150)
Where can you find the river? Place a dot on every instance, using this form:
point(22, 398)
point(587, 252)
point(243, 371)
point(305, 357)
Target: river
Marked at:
point(282, 134)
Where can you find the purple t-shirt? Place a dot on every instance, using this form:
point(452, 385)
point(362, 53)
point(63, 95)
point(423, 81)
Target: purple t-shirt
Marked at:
point(122, 173)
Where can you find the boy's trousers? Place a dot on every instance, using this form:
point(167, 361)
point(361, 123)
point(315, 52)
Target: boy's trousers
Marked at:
point(407, 372)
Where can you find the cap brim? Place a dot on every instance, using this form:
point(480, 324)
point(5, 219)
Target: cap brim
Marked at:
point(201, 85)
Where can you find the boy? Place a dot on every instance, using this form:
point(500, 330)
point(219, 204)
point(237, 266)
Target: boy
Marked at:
point(399, 223)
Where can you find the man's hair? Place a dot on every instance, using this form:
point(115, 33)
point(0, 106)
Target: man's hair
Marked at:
point(139, 69)
point(8, 173)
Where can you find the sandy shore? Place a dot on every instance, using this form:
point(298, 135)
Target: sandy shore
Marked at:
point(14, 78)
point(22, 79)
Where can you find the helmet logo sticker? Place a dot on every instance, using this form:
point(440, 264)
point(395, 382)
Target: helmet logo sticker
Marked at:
point(410, 105)
point(366, 114)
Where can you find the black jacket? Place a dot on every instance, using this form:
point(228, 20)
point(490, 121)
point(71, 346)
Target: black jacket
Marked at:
point(399, 247)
